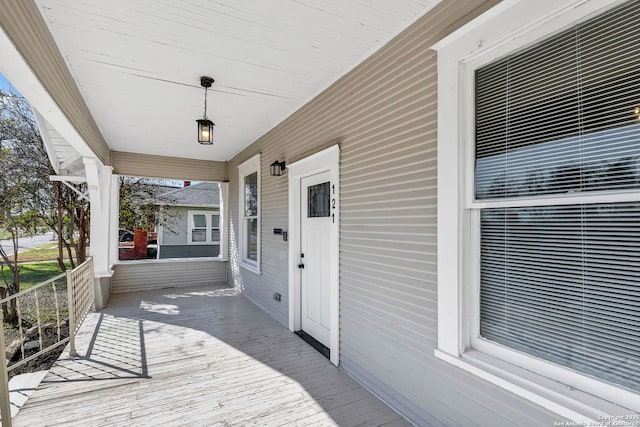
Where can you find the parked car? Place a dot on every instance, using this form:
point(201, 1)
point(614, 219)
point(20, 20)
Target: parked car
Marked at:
point(125, 235)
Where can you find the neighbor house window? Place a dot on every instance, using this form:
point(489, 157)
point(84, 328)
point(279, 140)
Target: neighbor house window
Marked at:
point(204, 227)
point(249, 213)
point(539, 203)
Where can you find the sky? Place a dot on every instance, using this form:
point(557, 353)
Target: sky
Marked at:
point(5, 86)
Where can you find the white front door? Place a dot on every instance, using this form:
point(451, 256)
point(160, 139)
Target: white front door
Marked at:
point(315, 255)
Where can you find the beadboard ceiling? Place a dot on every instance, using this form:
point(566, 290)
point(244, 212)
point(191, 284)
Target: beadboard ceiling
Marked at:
point(138, 62)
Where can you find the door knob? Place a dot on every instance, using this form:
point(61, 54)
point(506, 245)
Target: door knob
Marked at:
point(300, 265)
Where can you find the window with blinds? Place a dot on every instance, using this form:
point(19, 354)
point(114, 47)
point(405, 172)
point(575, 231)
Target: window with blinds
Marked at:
point(562, 282)
point(562, 116)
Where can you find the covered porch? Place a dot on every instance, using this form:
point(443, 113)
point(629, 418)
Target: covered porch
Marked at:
point(364, 117)
point(200, 355)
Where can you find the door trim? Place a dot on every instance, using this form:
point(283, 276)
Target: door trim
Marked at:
point(325, 160)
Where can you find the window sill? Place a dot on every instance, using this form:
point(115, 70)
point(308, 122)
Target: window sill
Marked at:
point(567, 402)
point(251, 267)
point(169, 260)
point(198, 244)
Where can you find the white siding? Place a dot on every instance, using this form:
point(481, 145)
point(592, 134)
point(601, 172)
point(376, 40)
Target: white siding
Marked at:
point(176, 232)
point(273, 277)
point(383, 115)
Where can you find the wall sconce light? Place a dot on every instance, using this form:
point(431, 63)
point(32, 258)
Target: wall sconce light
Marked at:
point(277, 168)
point(205, 126)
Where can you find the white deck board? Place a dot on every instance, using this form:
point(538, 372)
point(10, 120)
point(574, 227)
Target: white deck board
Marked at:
point(196, 356)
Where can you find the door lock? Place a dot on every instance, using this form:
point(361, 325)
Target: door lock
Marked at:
point(301, 265)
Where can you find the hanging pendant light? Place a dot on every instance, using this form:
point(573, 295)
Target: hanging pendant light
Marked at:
point(205, 126)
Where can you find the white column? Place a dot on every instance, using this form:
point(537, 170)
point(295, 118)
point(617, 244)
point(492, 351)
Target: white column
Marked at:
point(114, 210)
point(99, 180)
point(225, 222)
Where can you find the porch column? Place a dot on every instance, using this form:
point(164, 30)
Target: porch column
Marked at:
point(99, 180)
point(114, 210)
point(224, 211)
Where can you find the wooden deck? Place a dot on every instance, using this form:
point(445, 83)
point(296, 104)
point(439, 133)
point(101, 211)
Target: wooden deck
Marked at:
point(199, 356)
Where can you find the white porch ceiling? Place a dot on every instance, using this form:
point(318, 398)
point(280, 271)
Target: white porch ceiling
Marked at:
point(138, 62)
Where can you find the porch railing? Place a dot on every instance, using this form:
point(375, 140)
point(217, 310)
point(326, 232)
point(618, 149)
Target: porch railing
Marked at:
point(46, 319)
point(80, 298)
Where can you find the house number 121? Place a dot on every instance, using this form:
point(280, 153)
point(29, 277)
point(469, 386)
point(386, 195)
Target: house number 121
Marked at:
point(333, 203)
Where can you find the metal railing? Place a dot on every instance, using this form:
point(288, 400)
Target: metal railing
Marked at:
point(51, 319)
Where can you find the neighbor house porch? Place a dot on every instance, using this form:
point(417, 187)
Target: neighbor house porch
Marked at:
point(196, 356)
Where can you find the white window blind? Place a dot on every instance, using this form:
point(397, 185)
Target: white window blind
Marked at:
point(563, 282)
point(562, 116)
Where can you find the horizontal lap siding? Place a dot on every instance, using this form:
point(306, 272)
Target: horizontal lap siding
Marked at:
point(188, 251)
point(384, 116)
point(157, 275)
point(153, 166)
point(273, 209)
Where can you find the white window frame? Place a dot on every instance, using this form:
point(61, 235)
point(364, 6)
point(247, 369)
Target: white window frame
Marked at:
point(507, 27)
point(209, 227)
point(247, 168)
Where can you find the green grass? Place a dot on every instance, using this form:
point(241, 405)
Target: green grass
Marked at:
point(41, 265)
point(46, 252)
point(32, 274)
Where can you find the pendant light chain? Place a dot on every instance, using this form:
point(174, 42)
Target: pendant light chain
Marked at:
point(205, 103)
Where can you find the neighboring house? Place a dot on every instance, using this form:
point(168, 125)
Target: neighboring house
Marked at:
point(462, 208)
point(141, 243)
point(193, 228)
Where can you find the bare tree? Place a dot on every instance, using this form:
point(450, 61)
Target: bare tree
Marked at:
point(69, 219)
point(59, 208)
